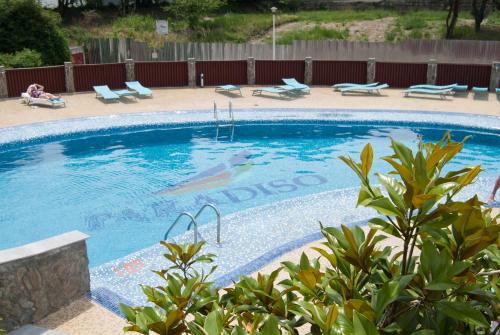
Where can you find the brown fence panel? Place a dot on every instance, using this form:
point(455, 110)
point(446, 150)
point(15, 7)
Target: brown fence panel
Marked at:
point(269, 72)
point(470, 74)
point(162, 74)
point(333, 72)
point(51, 77)
point(401, 74)
point(87, 76)
point(222, 72)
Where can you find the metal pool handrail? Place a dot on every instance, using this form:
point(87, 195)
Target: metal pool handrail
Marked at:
point(195, 222)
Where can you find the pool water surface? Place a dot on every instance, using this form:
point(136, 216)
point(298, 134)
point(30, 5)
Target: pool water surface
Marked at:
point(125, 187)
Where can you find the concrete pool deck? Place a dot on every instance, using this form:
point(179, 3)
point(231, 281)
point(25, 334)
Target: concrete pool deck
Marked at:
point(87, 317)
point(12, 112)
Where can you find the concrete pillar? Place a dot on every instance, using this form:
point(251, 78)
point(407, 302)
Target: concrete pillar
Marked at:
point(130, 69)
point(432, 69)
point(494, 78)
point(251, 71)
point(4, 93)
point(191, 72)
point(69, 78)
point(370, 71)
point(308, 72)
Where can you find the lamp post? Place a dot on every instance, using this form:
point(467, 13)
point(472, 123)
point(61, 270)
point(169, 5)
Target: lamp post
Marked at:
point(273, 10)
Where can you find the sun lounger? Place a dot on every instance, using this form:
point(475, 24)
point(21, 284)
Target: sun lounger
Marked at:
point(480, 90)
point(107, 94)
point(338, 87)
point(139, 89)
point(442, 93)
point(454, 87)
point(228, 88)
point(274, 90)
point(364, 88)
point(28, 100)
point(296, 85)
point(497, 90)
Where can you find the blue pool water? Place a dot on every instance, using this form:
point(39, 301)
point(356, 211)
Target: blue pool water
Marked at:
point(125, 187)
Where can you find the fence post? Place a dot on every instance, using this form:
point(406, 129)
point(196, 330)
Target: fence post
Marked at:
point(191, 72)
point(431, 72)
point(130, 69)
point(251, 71)
point(308, 72)
point(4, 92)
point(495, 76)
point(68, 77)
point(370, 70)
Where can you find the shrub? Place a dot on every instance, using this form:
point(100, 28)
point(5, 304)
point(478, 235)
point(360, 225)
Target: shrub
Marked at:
point(24, 24)
point(450, 286)
point(192, 11)
point(24, 58)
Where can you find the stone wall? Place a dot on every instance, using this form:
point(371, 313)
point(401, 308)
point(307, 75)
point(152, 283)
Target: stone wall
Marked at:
point(39, 278)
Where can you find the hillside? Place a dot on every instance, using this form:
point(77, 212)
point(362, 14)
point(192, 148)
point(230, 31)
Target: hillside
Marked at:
point(361, 25)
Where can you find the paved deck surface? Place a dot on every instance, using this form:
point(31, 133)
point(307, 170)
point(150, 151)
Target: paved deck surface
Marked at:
point(85, 317)
point(12, 112)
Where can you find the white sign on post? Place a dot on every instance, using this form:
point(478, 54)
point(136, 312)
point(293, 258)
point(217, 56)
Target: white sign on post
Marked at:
point(162, 27)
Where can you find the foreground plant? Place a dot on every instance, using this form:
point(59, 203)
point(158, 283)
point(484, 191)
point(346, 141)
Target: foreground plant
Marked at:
point(444, 280)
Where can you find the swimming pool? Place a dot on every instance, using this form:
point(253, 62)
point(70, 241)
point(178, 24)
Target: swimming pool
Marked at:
point(124, 186)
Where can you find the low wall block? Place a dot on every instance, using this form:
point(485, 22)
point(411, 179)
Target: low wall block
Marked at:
point(251, 70)
point(39, 278)
point(4, 93)
point(308, 72)
point(431, 72)
point(495, 76)
point(191, 72)
point(370, 70)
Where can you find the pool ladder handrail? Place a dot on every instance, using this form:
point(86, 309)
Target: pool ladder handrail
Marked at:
point(194, 222)
point(219, 125)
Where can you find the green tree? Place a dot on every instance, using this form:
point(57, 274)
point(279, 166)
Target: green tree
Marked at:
point(479, 11)
point(192, 11)
point(23, 58)
point(452, 17)
point(24, 24)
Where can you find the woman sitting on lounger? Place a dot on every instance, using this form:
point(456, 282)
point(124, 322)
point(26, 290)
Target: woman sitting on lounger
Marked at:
point(37, 91)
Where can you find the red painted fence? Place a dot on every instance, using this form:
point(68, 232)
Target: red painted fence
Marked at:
point(86, 76)
point(222, 72)
point(327, 72)
point(470, 74)
point(270, 72)
point(51, 77)
point(401, 75)
point(162, 74)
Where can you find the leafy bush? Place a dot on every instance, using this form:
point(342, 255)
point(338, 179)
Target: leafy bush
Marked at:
point(133, 25)
point(192, 11)
point(24, 24)
point(24, 58)
point(443, 281)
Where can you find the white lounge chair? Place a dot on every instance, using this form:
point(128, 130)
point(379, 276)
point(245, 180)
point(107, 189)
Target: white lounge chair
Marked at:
point(441, 93)
point(28, 100)
point(364, 89)
point(228, 88)
point(139, 89)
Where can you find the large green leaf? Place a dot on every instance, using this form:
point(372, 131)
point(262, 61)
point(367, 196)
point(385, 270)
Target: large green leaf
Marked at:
point(363, 326)
point(366, 159)
point(462, 311)
point(213, 323)
point(388, 293)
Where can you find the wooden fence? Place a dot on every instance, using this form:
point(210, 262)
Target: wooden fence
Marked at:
point(260, 72)
point(409, 51)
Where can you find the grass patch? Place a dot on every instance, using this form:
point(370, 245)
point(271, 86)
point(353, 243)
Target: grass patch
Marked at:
point(343, 15)
point(487, 33)
point(316, 33)
point(239, 28)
